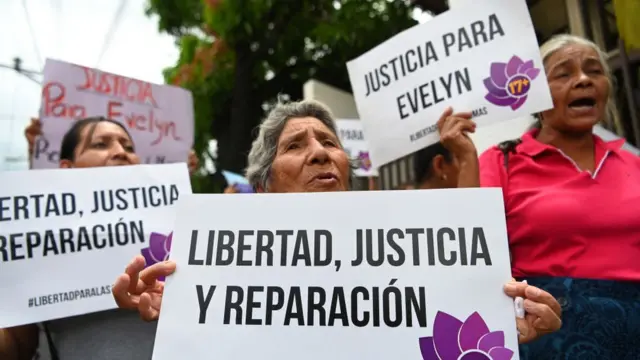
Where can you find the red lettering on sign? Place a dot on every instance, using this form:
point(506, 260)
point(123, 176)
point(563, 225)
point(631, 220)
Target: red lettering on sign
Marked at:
point(112, 109)
point(53, 100)
point(146, 122)
point(117, 86)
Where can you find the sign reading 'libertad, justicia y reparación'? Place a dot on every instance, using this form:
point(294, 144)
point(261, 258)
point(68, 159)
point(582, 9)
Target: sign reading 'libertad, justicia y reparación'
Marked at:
point(278, 274)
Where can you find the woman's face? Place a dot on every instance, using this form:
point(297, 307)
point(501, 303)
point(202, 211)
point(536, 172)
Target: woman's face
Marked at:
point(579, 88)
point(308, 159)
point(106, 144)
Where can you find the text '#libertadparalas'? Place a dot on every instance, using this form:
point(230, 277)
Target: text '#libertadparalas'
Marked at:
point(374, 247)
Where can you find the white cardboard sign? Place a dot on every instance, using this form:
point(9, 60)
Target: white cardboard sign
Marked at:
point(354, 143)
point(481, 58)
point(159, 117)
point(66, 234)
point(284, 276)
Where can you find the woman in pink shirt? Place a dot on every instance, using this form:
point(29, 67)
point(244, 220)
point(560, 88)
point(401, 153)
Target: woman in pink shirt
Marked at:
point(573, 210)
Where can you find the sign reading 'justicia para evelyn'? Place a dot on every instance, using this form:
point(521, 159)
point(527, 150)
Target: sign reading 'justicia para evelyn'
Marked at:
point(158, 117)
point(482, 58)
point(66, 234)
point(292, 276)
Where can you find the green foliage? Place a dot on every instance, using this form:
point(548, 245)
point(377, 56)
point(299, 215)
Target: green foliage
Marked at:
point(177, 17)
point(278, 44)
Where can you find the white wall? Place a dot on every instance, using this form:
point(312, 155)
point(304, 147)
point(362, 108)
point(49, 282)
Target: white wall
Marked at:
point(487, 136)
point(342, 103)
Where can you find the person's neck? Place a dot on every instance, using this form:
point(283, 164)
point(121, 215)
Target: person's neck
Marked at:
point(580, 147)
point(431, 184)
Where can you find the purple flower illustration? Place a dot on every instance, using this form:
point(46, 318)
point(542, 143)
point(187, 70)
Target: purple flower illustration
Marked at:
point(158, 250)
point(469, 340)
point(509, 83)
point(365, 161)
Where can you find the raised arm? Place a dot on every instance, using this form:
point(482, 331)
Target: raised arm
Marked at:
point(454, 130)
point(33, 130)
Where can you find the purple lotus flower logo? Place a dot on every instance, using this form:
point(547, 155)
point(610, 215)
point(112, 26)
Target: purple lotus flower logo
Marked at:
point(509, 83)
point(364, 160)
point(158, 250)
point(469, 340)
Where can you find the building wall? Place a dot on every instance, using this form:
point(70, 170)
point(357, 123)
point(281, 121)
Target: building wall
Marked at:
point(342, 104)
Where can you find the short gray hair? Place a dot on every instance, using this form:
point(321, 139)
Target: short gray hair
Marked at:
point(264, 147)
point(558, 42)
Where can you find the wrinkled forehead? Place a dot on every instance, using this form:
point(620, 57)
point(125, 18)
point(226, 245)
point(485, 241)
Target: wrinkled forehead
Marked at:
point(305, 127)
point(572, 54)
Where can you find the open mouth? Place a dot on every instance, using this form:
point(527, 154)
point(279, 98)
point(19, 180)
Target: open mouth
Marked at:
point(326, 177)
point(583, 103)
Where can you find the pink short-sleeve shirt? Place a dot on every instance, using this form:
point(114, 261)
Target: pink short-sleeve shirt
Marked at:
point(566, 222)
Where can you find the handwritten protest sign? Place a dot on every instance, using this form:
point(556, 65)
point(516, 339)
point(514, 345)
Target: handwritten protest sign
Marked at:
point(66, 234)
point(159, 117)
point(481, 58)
point(293, 276)
point(354, 143)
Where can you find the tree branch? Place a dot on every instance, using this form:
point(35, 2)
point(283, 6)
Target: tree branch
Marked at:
point(283, 75)
point(280, 26)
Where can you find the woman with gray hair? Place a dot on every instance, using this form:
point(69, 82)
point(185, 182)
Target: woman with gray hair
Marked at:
point(298, 150)
point(572, 202)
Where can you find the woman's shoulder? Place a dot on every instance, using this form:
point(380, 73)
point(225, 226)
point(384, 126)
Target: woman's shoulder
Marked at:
point(496, 154)
point(493, 163)
point(630, 157)
point(626, 151)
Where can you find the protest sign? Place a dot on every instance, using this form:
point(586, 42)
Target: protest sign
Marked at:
point(336, 276)
point(355, 145)
point(481, 58)
point(158, 117)
point(66, 234)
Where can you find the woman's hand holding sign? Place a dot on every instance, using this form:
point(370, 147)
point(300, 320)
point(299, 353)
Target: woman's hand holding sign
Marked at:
point(31, 132)
point(454, 129)
point(542, 311)
point(139, 288)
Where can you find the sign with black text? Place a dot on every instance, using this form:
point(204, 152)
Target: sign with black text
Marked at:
point(66, 234)
point(339, 276)
point(481, 58)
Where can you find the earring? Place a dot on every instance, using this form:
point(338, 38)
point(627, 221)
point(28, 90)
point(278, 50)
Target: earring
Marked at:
point(444, 177)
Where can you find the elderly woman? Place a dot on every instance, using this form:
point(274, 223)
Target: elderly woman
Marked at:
point(573, 210)
point(297, 150)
